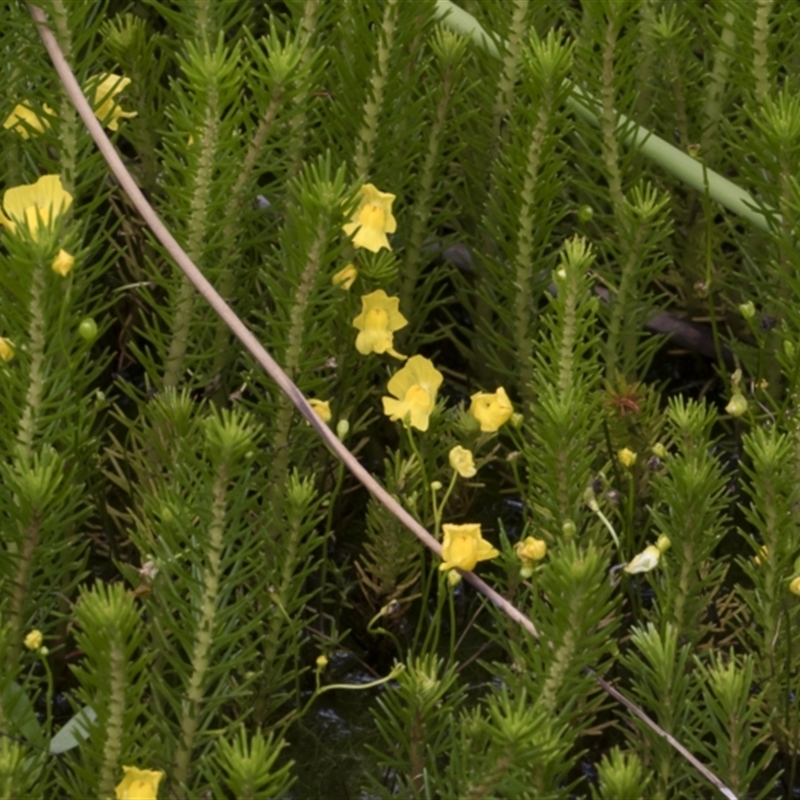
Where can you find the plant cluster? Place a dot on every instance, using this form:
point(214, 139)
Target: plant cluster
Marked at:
point(536, 265)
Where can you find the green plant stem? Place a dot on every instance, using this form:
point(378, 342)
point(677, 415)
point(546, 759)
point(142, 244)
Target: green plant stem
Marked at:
point(423, 203)
point(372, 107)
point(680, 165)
point(204, 635)
point(222, 352)
point(36, 343)
point(523, 260)
point(298, 124)
point(195, 239)
point(621, 310)
point(67, 114)
point(278, 473)
point(760, 50)
point(608, 117)
point(112, 748)
point(421, 461)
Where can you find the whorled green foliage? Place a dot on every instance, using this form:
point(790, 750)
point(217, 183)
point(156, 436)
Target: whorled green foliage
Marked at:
point(249, 767)
point(734, 717)
point(664, 686)
point(255, 127)
point(510, 746)
point(621, 776)
point(772, 517)
point(522, 214)
point(416, 721)
point(689, 502)
point(391, 563)
point(223, 596)
point(566, 414)
point(113, 677)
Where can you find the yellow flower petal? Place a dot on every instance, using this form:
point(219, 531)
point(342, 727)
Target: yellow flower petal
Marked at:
point(63, 263)
point(414, 387)
point(380, 317)
point(106, 108)
point(139, 784)
point(322, 408)
point(6, 349)
point(491, 410)
point(33, 641)
point(531, 550)
point(464, 546)
point(644, 561)
point(36, 204)
point(24, 120)
point(372, 220)
point(626, 457)
point(345, 278)
point(462, 462)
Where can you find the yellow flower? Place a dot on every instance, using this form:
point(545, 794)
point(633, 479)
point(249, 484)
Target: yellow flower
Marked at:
point(322, 662)
point(626, 457)
point(345, 278)
point(322, 408)
point(63, 263)
point(464, 547)
point(6, 349)
point(37, 204)
point(794, 586)
point(380, 317)
point(531, 550)
point(139, 784)
point(415, 387)
point(644, 561)
point(106, 108)
point(33, 641)
point(24, 120)
point(491, 410)
point(372, 219)
point(462, 462)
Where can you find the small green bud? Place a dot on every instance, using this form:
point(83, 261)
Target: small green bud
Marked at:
point(788, 348)
point(436, 486)
point(568, 528)
point(585, 214)
point(342, 429)
point(516, 420)
point(88, 329)
point(659, 450)
point(747, 310)
point(663, 543)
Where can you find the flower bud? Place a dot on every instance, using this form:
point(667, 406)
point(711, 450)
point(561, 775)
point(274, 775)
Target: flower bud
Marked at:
point(342, 429)
point(626, 457)
point(663, 543)
point(88, 329)
point(747, 310)
point(737, 405)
